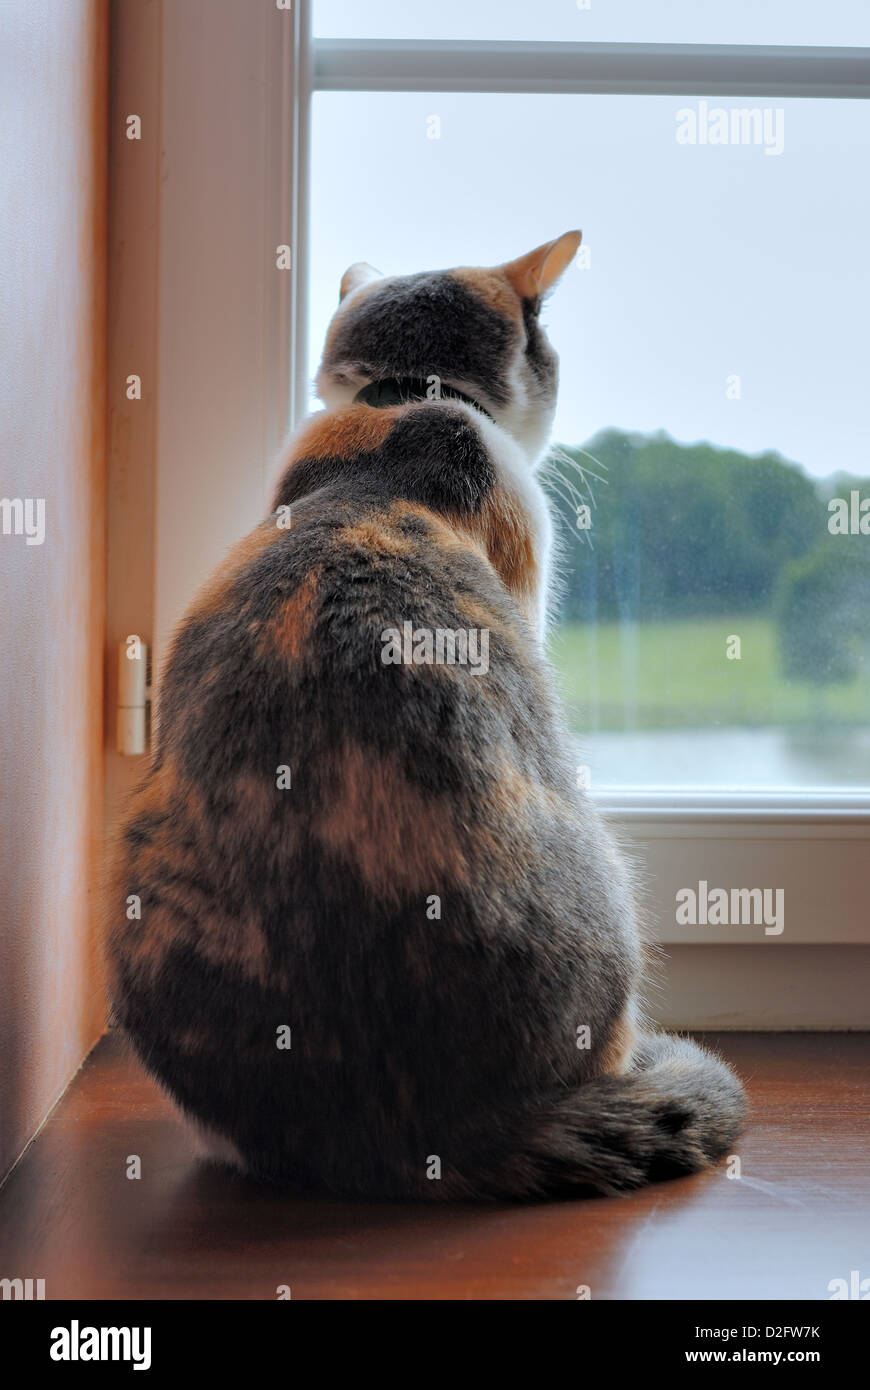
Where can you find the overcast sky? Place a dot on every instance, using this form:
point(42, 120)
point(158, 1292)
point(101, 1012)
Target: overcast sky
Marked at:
point(600, 21)
point(707, 261)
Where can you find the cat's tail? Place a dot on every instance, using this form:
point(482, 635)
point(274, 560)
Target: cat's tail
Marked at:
point(676, 1111)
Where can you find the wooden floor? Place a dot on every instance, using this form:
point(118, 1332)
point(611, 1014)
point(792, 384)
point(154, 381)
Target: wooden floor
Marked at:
point(798, 1217)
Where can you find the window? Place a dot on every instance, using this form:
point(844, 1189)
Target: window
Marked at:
point(600, 21)
point(715, 449)
point(709, 261)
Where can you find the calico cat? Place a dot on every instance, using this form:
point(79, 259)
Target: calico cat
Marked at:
point(378, 922)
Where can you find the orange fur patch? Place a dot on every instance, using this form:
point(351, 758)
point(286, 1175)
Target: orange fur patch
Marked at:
point(398, 839)
point(355, 429)
point(443, 530)
point(212, 597)
point(144, 943)
point(494, 288)
point(499, 533)
point(514, 790)
point(285, 635)
point(375, 533)
point(617, 1054)
point(501, 528)
point(476, 614)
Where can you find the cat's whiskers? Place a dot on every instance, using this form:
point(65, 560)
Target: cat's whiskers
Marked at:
point(567, 490)
point(560, 455)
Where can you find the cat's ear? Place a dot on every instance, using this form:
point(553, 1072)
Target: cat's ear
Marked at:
point(537, 271)
point(360, 273)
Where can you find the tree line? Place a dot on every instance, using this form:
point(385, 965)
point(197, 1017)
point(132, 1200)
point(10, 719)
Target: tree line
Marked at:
point(652, 529)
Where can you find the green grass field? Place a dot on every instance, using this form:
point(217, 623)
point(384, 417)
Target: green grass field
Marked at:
point(664, 675)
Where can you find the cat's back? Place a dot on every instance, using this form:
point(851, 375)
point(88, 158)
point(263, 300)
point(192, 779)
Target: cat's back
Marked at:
point(364, 612)
point(351, 823)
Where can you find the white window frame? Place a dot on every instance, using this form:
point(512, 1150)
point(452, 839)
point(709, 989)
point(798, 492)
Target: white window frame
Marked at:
point(627, 69)
point(821, 825)
point(232, 378)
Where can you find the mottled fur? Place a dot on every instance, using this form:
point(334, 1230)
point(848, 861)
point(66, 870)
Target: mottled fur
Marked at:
point(306, 907)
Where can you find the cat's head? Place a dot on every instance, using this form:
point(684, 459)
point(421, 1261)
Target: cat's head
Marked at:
point(472, 329)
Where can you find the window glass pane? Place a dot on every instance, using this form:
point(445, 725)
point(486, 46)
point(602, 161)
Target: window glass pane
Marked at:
point(836, 22)
point(714, 370)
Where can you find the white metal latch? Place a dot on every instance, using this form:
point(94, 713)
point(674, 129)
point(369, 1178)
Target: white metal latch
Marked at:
point(133, 696)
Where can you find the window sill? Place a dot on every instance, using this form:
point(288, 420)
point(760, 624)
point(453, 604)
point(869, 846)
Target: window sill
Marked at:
point(706, 812)
point(812, 847)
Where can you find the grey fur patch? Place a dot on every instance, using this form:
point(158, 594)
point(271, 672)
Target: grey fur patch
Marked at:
point(423, 325)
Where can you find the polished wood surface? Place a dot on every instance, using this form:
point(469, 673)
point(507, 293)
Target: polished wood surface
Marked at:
point(797, 1218)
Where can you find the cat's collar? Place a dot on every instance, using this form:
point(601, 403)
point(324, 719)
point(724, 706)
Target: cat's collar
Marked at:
point(399, 390)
